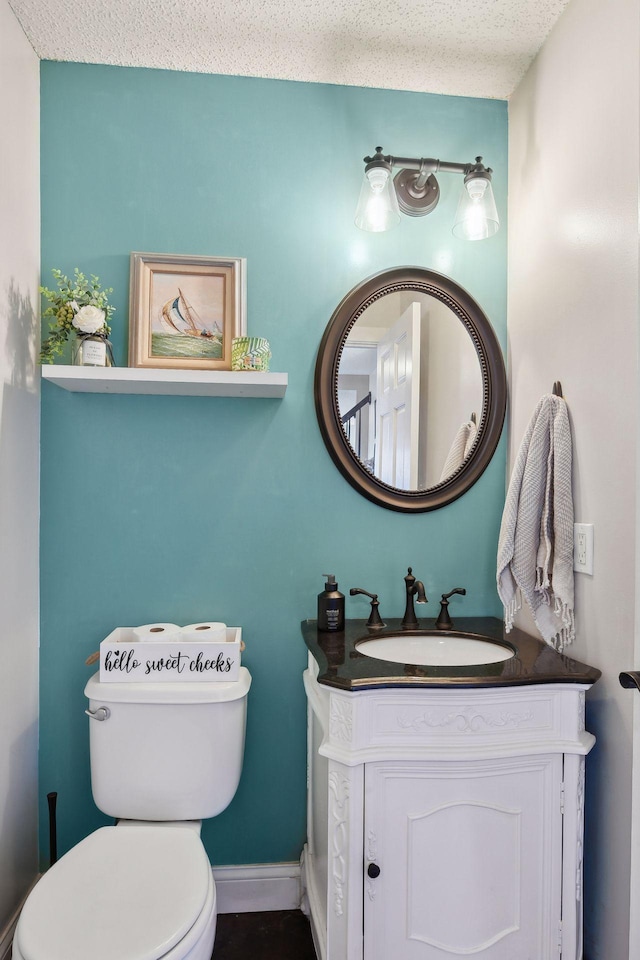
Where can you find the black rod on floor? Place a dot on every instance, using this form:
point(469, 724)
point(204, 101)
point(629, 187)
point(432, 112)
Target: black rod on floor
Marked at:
point(53, 833)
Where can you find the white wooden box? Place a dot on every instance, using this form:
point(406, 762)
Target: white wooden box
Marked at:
point(125, 659)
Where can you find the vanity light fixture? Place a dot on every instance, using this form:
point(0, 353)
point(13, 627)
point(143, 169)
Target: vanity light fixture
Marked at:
point(415, 192)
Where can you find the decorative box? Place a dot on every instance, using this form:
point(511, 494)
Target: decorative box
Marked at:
point(125, 659)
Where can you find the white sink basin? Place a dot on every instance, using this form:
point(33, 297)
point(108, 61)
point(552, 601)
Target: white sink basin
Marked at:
point(434, 649)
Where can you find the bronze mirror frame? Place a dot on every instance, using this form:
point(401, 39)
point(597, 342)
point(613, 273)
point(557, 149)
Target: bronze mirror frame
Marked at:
point(494, 387)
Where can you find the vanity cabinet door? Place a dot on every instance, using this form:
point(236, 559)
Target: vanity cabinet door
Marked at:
point(469, 856)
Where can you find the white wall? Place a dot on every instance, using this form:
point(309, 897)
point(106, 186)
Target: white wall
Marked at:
point(454, 390)
point(19, 460)
point(573, 315)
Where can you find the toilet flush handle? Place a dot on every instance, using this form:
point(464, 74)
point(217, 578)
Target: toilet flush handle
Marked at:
point(102, 713)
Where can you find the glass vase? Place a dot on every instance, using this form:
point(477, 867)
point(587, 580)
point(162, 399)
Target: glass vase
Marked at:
point(91, 350)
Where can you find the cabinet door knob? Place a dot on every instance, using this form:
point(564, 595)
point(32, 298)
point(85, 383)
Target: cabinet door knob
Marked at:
point(373, 870)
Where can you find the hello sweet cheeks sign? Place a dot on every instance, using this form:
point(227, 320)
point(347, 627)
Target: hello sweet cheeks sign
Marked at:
point(125, 658)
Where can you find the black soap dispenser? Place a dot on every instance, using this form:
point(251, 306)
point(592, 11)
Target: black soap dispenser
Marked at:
point(330, 607)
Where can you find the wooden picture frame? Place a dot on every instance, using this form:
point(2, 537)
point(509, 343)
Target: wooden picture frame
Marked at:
point(185, 311)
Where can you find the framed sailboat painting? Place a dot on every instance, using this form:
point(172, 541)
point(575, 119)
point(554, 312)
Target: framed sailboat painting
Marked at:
point(185, 311)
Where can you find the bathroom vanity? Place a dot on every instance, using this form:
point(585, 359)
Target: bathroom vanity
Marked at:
point(445, 802)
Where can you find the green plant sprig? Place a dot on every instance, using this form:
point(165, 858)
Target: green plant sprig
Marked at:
point(60, 312)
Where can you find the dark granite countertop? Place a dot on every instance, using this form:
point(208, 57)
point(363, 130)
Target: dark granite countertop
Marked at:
point(341, 665)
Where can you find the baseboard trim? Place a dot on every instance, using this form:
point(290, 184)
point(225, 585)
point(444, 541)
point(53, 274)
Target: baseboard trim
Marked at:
point(260, 886)
point(6, 935)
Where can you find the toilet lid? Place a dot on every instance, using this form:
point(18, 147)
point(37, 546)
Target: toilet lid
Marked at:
point(127, 891)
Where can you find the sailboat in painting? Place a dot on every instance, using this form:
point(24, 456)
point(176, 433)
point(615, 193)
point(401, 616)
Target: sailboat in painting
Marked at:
point(183, 334)
point(179, 316)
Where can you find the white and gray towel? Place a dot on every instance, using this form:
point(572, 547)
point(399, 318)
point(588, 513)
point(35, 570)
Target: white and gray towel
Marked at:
point(535, 551)
point(460, 448)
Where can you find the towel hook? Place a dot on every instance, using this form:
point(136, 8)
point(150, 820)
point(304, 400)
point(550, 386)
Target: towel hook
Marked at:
point(557, 389)
point(473, 418)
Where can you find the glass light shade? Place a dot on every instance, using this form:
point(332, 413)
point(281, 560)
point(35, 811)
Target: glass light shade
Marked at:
point(476, 216)
point(377, 208)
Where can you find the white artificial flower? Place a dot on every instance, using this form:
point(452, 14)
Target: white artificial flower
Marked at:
point(74, 306)
point(89, 319)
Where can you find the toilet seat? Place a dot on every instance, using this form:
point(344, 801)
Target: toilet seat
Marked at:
point(144, 893)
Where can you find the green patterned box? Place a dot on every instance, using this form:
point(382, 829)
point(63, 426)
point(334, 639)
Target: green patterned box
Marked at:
point(250, 353)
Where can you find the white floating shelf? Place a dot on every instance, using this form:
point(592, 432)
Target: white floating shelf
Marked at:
point(177, 383)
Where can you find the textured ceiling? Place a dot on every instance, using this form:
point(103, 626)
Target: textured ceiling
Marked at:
point(479, 49)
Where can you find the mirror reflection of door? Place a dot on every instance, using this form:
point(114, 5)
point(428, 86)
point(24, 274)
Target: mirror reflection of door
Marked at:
point(398, 401)
point(409, 382)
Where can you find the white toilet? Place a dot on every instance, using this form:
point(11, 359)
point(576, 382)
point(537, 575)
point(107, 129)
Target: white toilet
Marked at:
point(163, 757)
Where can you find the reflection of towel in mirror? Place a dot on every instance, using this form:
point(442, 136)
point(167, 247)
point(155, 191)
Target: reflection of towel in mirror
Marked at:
point(535, 552)
point(463, 441)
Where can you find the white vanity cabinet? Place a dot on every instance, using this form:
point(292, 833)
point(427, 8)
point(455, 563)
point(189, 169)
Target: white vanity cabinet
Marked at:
point(445, 823)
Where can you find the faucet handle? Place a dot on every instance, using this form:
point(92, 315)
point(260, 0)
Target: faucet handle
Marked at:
point(374, 621)
point(445, 596)
point(444, 621)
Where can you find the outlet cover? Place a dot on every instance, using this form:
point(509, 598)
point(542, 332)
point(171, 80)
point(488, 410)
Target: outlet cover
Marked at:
point(583, 547)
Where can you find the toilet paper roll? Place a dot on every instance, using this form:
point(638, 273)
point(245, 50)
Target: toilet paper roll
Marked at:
point(208, 631)
point(154, 632)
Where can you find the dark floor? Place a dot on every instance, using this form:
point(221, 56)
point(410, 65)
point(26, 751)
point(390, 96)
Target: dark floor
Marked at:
point(276, 935)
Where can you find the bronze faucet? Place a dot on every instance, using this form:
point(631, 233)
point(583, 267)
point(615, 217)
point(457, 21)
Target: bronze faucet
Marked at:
point(414, 588)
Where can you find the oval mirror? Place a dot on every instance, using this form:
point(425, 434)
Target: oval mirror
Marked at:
point(410, 389)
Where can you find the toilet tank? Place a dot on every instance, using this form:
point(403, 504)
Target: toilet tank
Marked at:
point(166, 751)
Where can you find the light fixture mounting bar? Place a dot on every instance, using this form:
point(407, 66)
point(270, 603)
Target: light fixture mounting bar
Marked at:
point(429, 165)
point(426, 165)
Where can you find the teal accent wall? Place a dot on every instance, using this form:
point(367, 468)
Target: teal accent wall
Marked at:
point(179, 509)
